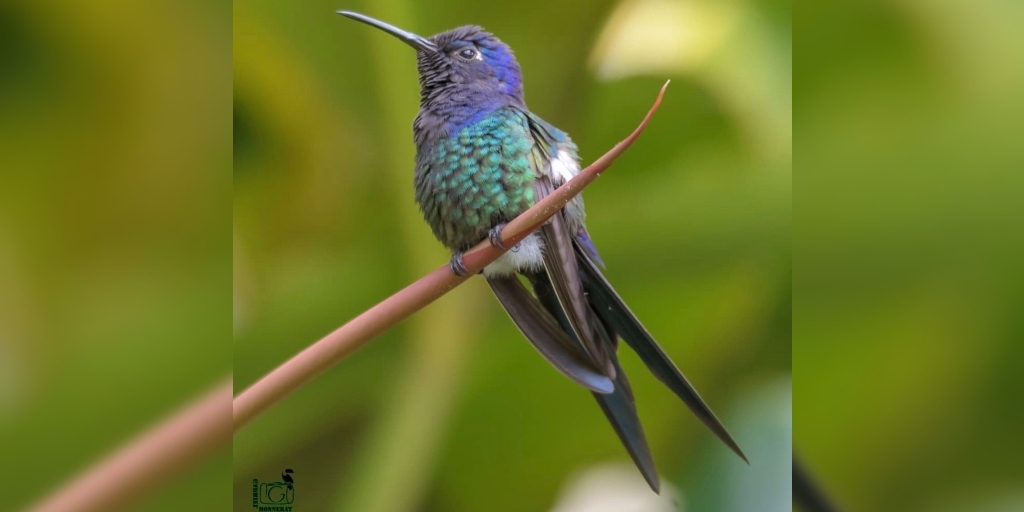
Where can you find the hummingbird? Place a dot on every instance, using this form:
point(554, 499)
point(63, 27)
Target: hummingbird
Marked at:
point(482, 158)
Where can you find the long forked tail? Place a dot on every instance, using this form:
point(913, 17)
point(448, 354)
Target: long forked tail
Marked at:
point(618, 406)
point(614, 312)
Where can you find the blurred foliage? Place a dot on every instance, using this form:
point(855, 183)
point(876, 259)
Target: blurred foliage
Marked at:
point(454, 410)
point(114, 233)
point(114, 248)
point(907, 294)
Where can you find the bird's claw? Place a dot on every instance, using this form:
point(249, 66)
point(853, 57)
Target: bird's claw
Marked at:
point(494, 235)
point(456, 265)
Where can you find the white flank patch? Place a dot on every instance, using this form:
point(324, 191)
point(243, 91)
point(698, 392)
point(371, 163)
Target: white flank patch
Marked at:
point(527, 255)
point(564, 167)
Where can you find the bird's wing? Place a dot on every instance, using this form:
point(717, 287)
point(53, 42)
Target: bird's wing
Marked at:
point(545, 335)
point(584, 242)
point(614, 311)
point(560, 265)
point(548, 142)
point(546, 136)
point(559, 253)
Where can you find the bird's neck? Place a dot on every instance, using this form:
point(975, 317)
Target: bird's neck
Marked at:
point(444, 114)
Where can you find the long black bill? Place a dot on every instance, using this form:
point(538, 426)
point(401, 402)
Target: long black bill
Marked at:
point(418, 42)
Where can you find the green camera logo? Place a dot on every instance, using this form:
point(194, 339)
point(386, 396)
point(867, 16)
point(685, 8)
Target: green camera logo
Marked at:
point(274, 496)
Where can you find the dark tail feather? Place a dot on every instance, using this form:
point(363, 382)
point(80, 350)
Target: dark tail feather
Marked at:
point(619, 406)
point(545, 334)
point(620, 410)
point(613, 310)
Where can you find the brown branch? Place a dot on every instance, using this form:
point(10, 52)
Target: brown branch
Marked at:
point(149, 460)
point(334, 347)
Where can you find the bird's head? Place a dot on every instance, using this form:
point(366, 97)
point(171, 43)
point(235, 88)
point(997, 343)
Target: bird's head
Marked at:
point(466, 62)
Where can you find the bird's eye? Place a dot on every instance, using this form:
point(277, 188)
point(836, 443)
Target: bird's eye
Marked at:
point(468, 53)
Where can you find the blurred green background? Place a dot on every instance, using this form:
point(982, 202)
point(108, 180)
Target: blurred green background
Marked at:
point(454, 410)
point(908, 281)
point(115, 234)
point(115, 248)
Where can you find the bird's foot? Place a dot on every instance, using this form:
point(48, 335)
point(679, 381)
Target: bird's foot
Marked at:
point(456, 265)
point(494, 235)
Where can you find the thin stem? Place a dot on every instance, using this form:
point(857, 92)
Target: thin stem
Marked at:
point(144, 463)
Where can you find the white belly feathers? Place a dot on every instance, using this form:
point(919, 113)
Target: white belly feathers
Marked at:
point(526, 255)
